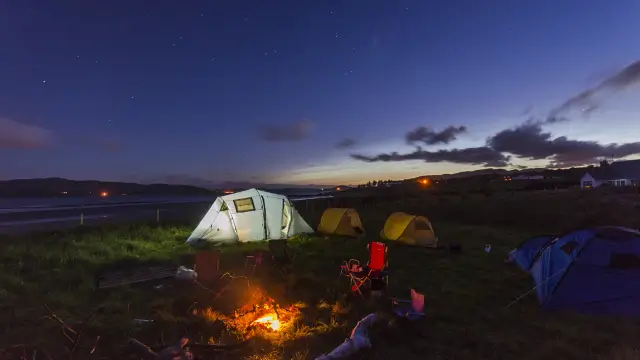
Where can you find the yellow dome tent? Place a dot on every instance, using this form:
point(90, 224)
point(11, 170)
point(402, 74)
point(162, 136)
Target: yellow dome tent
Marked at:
point(409, 229)
point(341, 221)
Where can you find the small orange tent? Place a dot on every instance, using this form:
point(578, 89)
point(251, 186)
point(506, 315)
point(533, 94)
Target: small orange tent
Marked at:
point(409, 229)
point(341, 221)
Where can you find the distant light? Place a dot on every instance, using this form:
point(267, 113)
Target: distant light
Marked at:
point(228, 192)
point(337, 189)
point(64, 193)
point(104, 194)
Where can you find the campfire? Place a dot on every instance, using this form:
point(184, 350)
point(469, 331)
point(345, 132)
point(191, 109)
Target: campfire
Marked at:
point(266, 317)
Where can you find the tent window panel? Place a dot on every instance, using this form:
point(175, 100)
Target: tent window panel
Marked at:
point(624, 261)
point(569, 247)
point(244, 205)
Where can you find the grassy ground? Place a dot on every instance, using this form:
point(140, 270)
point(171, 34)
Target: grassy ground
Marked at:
point(466, 294)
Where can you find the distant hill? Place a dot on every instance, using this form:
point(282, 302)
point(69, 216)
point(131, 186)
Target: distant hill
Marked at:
point(249, 185)
point(63, 187)
point(569, 173)
point(225, 185)
point(48, 187)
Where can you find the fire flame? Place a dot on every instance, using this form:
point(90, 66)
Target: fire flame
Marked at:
point(270, 321)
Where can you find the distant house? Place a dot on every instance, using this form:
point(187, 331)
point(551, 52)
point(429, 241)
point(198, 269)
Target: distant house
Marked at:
point(619, 173)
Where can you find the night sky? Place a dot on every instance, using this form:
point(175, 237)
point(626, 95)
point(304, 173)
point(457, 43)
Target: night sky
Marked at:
point(313, 92)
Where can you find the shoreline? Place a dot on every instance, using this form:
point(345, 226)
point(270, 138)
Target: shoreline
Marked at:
point(34, 220)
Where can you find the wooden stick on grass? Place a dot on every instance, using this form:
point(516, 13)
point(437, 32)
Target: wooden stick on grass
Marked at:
point(66, 328)
point(82, 327)
point(55, 318)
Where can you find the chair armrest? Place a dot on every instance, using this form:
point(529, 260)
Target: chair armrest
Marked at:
point(400, 301)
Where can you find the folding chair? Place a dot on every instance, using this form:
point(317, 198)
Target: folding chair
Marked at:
point(411, 309)
point(281, 254)
point(350, 266)
point(375, 269)
point(207, 266)
point(253, 260)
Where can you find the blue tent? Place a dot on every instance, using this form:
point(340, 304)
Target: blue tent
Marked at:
point(594, 270)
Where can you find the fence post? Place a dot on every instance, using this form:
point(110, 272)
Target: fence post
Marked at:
point(81, 218)
point(158, 215)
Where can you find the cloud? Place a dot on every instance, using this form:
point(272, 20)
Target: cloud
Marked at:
point(473, 156)
point(346, 143)
point(16, 135)
point(296, 131)
point(429, 136)
point(529, 141)
point(587, 102)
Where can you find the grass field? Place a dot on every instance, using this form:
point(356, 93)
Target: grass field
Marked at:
point(466, 294)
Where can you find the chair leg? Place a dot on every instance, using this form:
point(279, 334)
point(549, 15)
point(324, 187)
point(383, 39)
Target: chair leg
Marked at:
point(359, 284)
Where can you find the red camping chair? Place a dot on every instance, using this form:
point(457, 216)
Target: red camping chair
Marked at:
point(375, 269)
point(207, 266)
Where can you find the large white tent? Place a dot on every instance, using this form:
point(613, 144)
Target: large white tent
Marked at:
point(250, 215)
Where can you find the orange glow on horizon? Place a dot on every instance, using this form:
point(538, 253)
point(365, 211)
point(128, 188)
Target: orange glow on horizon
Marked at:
point(104, 194)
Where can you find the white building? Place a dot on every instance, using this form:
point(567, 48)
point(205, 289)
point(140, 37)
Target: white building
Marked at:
point(619, 173)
